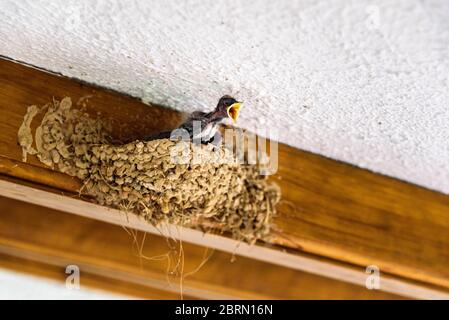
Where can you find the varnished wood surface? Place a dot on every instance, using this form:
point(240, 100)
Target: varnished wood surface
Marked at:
point(281, 256)
point(329, 208)
point(54, 273)
point(109, 259)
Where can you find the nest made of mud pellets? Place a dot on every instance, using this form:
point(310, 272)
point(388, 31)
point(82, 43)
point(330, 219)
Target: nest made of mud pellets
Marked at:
point(142, 178)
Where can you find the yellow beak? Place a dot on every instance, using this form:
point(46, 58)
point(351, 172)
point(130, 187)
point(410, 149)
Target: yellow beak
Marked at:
point(233, 111)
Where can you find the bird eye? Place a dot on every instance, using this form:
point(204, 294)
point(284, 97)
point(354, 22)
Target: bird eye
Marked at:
point(229, 101)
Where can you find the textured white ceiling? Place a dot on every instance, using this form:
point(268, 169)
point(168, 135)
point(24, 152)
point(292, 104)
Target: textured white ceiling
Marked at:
point(360, 81)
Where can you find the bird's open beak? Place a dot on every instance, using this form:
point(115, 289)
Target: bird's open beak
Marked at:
point(233, 111)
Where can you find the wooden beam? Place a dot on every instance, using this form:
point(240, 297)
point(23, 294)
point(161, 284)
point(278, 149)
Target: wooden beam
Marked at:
point(329, 209)
point(275, 255)
point(57, 274)
point(108, 259)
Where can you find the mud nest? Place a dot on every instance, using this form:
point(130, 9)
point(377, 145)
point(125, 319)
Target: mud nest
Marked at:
point(142, 177)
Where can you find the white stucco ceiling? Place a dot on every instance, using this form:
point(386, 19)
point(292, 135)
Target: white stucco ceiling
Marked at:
point(365, 82)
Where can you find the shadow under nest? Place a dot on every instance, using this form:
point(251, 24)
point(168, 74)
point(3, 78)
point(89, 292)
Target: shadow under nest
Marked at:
point(208, 189)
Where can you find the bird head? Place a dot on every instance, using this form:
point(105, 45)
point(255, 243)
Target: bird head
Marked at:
point(229, 107)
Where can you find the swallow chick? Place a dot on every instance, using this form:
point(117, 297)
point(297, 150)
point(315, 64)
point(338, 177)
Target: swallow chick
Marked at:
point(203, 126)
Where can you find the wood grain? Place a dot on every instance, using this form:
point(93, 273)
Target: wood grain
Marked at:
point(108, 259)
point(329, 208)
point(57, 274)
point(321, 266)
